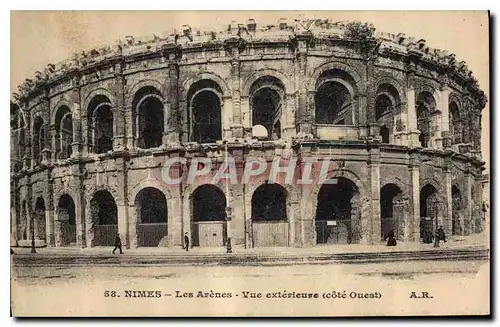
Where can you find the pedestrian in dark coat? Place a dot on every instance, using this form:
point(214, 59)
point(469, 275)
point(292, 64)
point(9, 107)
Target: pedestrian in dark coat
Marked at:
point(118, 244)
point(186, 241)
point(441, 234)
point(392, 240)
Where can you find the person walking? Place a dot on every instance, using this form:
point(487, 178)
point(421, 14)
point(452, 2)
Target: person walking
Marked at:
point(118, 244)
point(186, 241)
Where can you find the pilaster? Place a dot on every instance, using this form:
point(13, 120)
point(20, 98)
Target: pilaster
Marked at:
point(374, 171)
point(448, 205)
point(172, 112)
point(120, 129)
point(236, 125)
point(414, 221)
point(468, 217)
point(76, 117)
point(122, 201)
point(304, 116)
point(413, 132)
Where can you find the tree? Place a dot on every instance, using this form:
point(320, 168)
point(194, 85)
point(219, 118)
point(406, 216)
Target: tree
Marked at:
point(363, 33)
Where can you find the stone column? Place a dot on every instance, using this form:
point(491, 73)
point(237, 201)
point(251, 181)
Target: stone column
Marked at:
point(14, 212)
point(49, 212)
point(448, 198)
point(130, 134)
point(374, 171)
point(122, 200)
point(303, 111)
point(46, 148)
point(119, 121)
point(30, 214)
point(445, 117)
point(247, 193)
point(186, 213)
point(368, 100)
point(27, 138)
point(413, 132)
point(79, 199)
point(414, 221)
point(55, 138)
point(237, 202)
point(76, 118)
point(175, 237)
point(467, 225)
point(172, 112)
point(401, 212)
point(475, 125)
point(236, 126)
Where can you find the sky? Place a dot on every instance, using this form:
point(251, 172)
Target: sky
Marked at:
point(39, 38)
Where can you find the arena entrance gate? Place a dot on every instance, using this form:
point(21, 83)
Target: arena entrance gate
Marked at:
point(391, 214)
point(270, 226)
point(209, 226)
point(66, 222)
point(337, 213)
point(152, 217)
point(104, 219)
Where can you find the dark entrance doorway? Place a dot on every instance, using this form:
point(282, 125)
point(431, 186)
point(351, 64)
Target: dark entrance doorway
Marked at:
point(456, 228)
point(390, 218)
point(104, 219)
point(428, 211)
point(337, 213)
point(269, 216)
point(66, 221)
point(209, 227)
point(152, 217)
point(39, 220)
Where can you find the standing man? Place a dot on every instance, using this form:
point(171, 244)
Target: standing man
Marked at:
point(186, 241)
point(118, 244)
point(441, 234)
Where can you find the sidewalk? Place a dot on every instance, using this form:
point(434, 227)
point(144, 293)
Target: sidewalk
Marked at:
point(476, 241)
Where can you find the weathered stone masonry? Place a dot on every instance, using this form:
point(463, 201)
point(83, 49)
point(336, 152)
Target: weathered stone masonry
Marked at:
point(400, 120)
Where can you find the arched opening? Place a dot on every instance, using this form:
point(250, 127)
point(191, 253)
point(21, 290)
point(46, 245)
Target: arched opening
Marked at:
point(383, 106)
point(456, 212)
point(205, 106)
point(149, 117)
point(429, 210)
point(39, 219)
point(269, 216)
point(385, 134)
point(152, 218)
point(20, 149)
point(66, 221)
point(208, 205)
point(100, 119)
point(104, 219)
point(17, 136)
point(337, 213)
point(267, 98)
point(455, 123)
point(387, 106)
point(38, 139)
point(333, 103)
point(64, 132)
point(425, 106)
point(16, 117)
point(391, 214)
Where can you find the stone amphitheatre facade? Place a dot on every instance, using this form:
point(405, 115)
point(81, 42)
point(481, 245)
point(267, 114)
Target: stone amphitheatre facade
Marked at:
point(400, 120)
